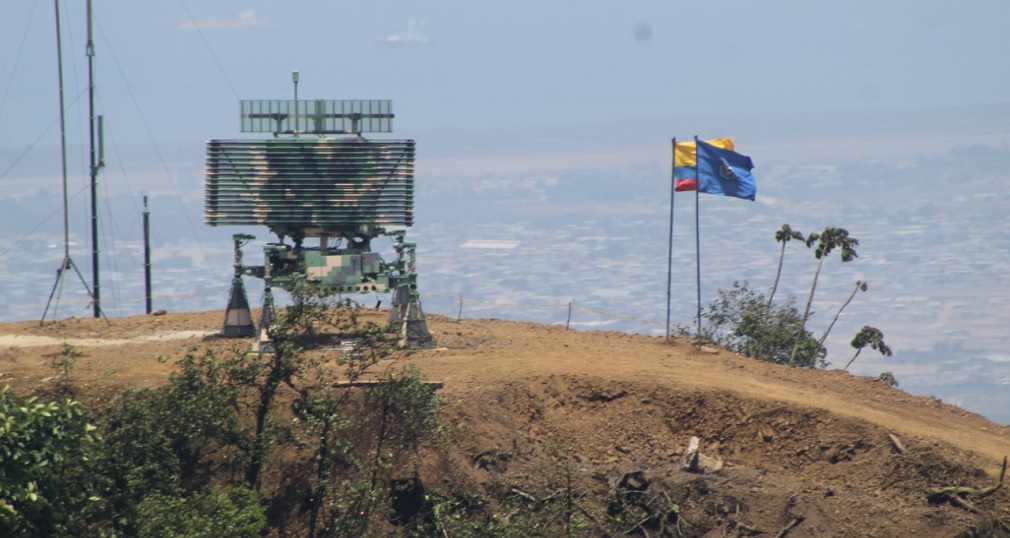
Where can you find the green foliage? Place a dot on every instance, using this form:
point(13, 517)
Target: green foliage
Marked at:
point(463, 515)
point(553, 482)
point(137, 457)
point(260, 377)
point(888, 377)
point(544, 502)
point(406, 407)
point(167, 441)
point(63, 364)
point(745, 322)
point(190, 458)
point(784, 236)
point(360, 440)
point(216, 513)
point(43, 447)
point(742, 321)
point(868, 336)
point(64, 361)
point(828, 240)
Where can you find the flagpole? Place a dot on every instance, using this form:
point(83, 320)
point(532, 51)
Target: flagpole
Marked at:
point(697, 234)
point(669, 258)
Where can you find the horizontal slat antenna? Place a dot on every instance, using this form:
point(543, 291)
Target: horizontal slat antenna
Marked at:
point(318, 116)
point(298, 183)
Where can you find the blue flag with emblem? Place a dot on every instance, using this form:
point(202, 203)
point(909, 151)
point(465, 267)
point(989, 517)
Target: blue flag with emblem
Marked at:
point(724, 172)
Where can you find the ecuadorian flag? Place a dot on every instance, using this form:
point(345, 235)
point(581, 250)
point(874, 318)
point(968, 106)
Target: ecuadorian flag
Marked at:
point(685, 156)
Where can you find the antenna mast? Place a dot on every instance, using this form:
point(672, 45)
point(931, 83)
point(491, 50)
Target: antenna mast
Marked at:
point(96, 164)
point(68, 262)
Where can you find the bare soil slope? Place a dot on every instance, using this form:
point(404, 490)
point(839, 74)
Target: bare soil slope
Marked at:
point(820, 453)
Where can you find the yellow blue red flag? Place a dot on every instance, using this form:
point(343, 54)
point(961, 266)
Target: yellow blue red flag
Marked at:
point(684, 159)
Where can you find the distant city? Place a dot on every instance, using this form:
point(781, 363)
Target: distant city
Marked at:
point(518, 225)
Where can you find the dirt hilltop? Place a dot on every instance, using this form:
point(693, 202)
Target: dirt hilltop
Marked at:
point(808, 452)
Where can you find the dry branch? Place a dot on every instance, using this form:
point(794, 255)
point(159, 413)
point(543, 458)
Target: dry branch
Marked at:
point(525, 495)
point(594, 520)
point(738, 527)
point(958, 501)
point(898, 445)
point(376, 383)
point(785, 530)
point(957, 494)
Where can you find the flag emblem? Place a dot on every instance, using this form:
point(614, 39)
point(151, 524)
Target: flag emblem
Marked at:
point(726, 172)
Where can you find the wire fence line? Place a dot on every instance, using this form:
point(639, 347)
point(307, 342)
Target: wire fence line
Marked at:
point(462, 300)
point(448, 304)
point(118, 306)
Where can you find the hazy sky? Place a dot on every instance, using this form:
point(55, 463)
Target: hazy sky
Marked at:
point(176, 69)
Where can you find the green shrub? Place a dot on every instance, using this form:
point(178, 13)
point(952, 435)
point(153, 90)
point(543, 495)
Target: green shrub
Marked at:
point(43, 447)
point(219, 513)
point(742, 321)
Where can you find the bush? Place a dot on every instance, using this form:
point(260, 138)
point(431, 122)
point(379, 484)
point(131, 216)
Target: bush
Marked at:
point(218, 513)
point(169, 441)
point(42, 449)
point(742, 321)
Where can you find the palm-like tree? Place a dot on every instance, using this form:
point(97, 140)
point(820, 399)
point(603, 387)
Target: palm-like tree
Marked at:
point(860, 286)
point(826, 241)
point(783, 236)
point(868, 336)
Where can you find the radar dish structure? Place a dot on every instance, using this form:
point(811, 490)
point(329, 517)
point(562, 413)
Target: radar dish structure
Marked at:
point(309, 182)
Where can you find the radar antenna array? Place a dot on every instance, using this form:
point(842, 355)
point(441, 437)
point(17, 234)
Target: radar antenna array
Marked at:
point(335, 186)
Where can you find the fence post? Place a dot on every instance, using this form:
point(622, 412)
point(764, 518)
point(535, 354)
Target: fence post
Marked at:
point(459, 315)
point(569, 321)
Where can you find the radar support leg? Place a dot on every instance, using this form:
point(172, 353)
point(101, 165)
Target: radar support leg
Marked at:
point(407, 313)
point(238, 318)
point(263, 343)
point(406, 308)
